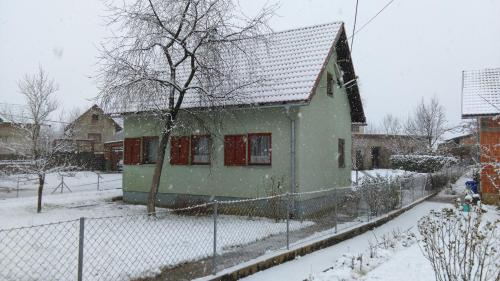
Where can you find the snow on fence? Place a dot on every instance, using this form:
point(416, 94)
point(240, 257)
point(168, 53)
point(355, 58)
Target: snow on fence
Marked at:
point(199, 240)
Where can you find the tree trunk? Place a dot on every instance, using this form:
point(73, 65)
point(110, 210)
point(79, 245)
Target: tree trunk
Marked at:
point(41, 182)
point(155, 183)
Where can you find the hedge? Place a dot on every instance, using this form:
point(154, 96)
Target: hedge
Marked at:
point(421, 163)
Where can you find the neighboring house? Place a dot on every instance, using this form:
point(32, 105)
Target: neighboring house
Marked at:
point(373, 151)
point(292, 134)
point(92, 129)
point(113, 153)
point(481, 100)
point(462, 147)
point(14, 141)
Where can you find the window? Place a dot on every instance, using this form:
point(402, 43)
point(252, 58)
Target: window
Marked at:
point(329, 84)
point(235, 150)
point(259, 149)
point(94, 136)
point(95, 118)
point(132, 151)
point(149, 149)
point(341, 154)
point(179, 150)
point(200, 149)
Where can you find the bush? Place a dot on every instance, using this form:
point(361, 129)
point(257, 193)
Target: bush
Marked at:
point(381, 194)
point(460, 246)
point(421, 163)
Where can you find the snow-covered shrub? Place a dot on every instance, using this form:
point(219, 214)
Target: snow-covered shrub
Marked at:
point(380, 193)
point(460, 246)
point(421, 163)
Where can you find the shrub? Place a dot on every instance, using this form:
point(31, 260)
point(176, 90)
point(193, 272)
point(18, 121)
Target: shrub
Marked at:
point(460, 246)
point(421, 163)
point(381, 193)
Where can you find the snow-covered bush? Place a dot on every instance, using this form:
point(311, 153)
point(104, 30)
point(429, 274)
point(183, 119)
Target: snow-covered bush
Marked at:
point(460, 246)
point(421, 163)
point(380, 193)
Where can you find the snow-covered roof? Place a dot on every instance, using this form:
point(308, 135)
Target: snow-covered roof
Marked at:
point(290, 62)
point(481, 92)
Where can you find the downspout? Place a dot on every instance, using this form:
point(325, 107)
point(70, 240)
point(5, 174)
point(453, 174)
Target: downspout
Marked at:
point(293, 176)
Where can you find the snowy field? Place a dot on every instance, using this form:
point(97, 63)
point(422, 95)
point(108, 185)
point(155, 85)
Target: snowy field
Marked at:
point(405, 262)
point(76, 182)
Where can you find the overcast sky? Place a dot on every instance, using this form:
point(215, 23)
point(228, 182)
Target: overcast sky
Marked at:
point(413, 49)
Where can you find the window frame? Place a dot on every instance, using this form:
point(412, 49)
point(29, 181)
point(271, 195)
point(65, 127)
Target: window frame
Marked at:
point(341, 153)
point(129, 156)
point(144, 150)
point(177, 162)
point(249, 150)
point(95, 134)
point(329, 83)
point(193, 138)
point(95, 120)
point(232, 162)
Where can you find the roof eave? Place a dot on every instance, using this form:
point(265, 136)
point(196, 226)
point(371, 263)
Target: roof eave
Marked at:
point(355, 103)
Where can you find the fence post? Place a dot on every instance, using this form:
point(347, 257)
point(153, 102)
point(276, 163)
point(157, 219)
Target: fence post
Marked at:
point(214, 257)
point(17, 187)
point(98, 176)
point(80, 248)
point(335, 207)
point(400, 194)
point(413, 192)
point(368, 207)
point(288, 221)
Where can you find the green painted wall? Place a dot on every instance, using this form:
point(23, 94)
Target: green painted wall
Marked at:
point(318, 127)
point(217, 179)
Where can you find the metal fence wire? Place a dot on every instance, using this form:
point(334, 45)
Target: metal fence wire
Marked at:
point(202, 239)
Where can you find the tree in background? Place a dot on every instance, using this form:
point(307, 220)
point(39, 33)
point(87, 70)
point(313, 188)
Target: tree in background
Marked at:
point(35, 131)
point(169, 50)
point(428, 121)
point(391, 125)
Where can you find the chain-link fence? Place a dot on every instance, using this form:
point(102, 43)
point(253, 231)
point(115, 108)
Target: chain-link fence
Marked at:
point(26, 185)
point(202, 239)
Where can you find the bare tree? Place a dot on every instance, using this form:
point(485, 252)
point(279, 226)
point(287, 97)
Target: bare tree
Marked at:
point(391, 125)
point(169, 51)
point(428, 121)
point(38, 89)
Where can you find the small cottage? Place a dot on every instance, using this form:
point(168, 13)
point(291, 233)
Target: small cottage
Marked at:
point(290, 134)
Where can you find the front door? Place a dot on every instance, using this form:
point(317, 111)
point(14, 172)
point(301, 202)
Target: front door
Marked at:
point(375, 157)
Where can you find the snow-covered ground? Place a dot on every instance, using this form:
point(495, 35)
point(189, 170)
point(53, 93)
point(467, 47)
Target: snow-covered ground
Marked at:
point(312, 266)
point(404, 262)
point(116, 242)
point(76, 182)
point(379, 172)
point(458, 189)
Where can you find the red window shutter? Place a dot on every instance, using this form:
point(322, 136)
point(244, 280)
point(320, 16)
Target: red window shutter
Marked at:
point(132, 151)
point(235, 150)
point(179, 151)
